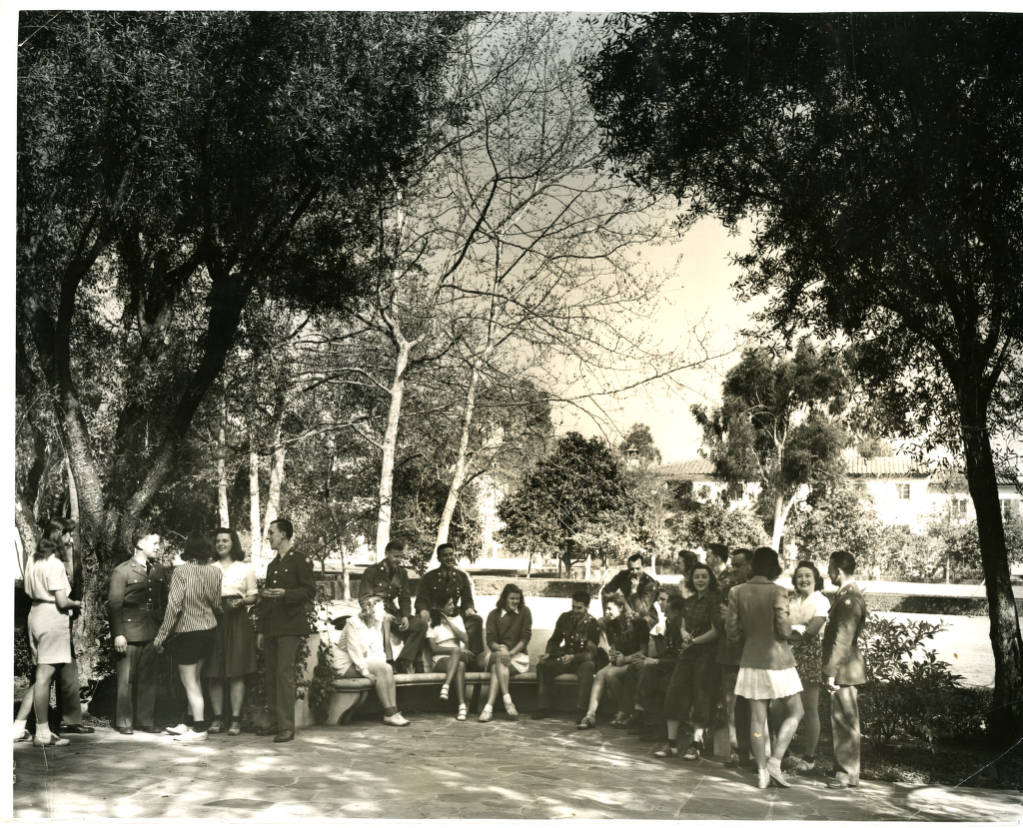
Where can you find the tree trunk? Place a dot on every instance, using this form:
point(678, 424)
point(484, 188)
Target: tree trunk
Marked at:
point(1005, 720)
point(782, 507)
point(256, 544)
point(458, 477)
point(390, 448)
point(225, 516)
point(273, 497)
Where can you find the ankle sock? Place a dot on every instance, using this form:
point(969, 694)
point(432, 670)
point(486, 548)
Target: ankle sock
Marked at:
point(390, 711)
point(20, 725)
point(673, 742)
point(43, 731)
point(200, 726)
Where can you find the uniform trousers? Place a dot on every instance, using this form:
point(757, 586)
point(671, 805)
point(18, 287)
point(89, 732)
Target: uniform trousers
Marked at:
point(549, 668)
point(137, 678)
point(845, 729)
point(279, 662)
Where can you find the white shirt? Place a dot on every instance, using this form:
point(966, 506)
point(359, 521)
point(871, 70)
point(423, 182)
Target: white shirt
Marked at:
point(804, 608)
point(43, 579)
point(358, 645)
point(239, 580)
point(443, 636)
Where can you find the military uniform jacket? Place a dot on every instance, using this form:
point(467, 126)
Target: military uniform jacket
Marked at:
point(288, 615)
point(642, 599)
point(452, 581)
point(391, 585)
point(839, 651)
point(574, 635)
point(136, 600)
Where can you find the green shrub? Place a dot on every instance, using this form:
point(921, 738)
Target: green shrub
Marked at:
point(321, 688)
point(909, 691)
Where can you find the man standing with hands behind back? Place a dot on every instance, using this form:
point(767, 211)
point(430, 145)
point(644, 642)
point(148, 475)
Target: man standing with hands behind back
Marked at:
point(843, 668)
point(283, 612)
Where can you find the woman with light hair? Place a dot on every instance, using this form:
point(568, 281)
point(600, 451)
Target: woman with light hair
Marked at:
point(360, 653)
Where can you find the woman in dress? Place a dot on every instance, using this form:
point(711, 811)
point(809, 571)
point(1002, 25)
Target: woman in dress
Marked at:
point(189, 627)
point(627, 634)
point(758, 616)
point(360, 652)
point(234, 647)
point(49, 635)
point(808, 610)
point(449, 644)
point(509, 628)
point(690, 690)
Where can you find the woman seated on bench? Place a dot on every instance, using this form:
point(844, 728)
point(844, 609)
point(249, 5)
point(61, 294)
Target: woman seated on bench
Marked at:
point(449, 643)
point(627, 635)
point(361, 653)
point(509, 628)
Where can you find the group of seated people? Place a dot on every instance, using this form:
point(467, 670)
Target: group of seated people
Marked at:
point(680, 653)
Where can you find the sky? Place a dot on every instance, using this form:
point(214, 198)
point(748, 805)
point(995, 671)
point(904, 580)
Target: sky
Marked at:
point(697, 295)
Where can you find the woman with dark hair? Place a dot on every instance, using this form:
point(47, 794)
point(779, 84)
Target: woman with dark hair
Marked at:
point(234, 646)
point(449, 644)
point(360, 652)
point(758, 615)
point(627, 635)
point(690, 690)
point(509, 628)
point(808, 610)
point(49, 635)
point(189, 627)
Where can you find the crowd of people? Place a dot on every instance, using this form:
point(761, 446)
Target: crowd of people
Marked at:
point(728, 637)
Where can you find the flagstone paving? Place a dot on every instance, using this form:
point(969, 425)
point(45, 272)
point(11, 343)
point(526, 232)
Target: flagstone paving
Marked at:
point(440, 768)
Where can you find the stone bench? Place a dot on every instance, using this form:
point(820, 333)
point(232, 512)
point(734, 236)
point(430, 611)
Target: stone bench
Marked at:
point(350, 693)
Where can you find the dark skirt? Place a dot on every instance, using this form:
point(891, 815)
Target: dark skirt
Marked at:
point(191, 647)
point(234, 650)
point(807, 652)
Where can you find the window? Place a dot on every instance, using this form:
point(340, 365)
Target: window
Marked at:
point(958, 507)
point(902, 489)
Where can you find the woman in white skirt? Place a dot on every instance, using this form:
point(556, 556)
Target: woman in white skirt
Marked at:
point(758, 615)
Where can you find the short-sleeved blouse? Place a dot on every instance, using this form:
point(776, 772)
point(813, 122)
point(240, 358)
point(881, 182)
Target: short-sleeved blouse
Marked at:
point(43, 579)
point(239, 580)
point(803, 609)
point(442, 635)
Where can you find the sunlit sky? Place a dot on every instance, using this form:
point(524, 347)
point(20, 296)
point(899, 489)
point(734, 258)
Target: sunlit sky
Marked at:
point(697, 295)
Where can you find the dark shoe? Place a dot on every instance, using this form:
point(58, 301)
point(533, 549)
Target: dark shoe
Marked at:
point(666, 752)
point(586, 723)
point(216, 726)
point(151, 729)
point(267, 731)
point(694, 751)
point(236, 728)
point(125, 731)
point(285, 736)
point(541, 713)
point(839, 782)
point(733, 760)
point(76, 728)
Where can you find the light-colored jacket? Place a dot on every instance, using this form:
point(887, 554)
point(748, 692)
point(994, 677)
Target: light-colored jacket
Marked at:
point(758, 615)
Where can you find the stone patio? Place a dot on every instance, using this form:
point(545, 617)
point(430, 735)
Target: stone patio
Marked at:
point(439, 768)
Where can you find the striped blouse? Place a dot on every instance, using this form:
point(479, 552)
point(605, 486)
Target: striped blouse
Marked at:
point(194, 598)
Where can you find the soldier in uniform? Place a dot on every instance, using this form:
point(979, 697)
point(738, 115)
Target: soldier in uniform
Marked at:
point(136, 601)
point(572, 648)
point(283, 611)
point(389, 580)
point(843, 668)
point(446, 579)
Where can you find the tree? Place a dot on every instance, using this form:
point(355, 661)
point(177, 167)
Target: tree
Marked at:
point(778, 425)
point(579, 485)
point(170, 167)
point(841, 519)
point(877, 157)
point(639, 444)
point(697, 524)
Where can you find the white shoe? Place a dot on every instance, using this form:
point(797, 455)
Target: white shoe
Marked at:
point(176, 730)
point(486, 714)
point(802, 766)
point(397, 720)
point(22, 735)
point(463, 712)
point(191, 736)
point(509, 708)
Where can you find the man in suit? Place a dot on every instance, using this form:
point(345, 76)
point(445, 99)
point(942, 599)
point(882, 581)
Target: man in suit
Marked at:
point(283, 612)
point(136, 602)
point(446, 579)
point(843, 668)
point(389, 580)
point(636, 586)
point(572, 648)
